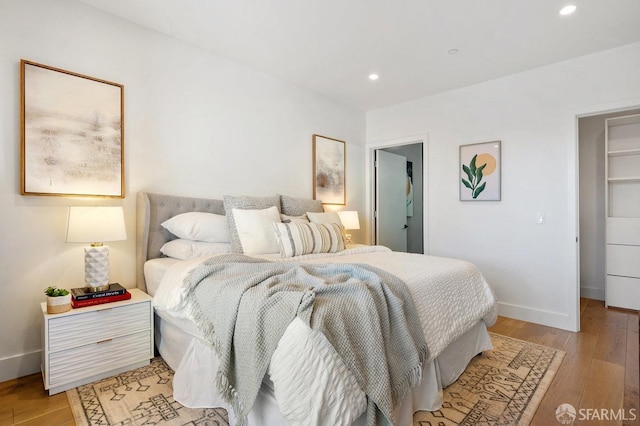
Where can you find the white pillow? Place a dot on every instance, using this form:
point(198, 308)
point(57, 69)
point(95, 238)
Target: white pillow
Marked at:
point(246, 203)
point(295, 239)
point(187, 249)
point(327, 217)
point(255, 230)
point(199, 226)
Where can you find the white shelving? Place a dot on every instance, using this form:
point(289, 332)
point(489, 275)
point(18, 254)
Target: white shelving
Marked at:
point(625, 179)
point(624, 152)
point(87, 344)
point(622, 202)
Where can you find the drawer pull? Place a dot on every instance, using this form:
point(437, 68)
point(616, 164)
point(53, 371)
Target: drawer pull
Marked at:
point(104, 341)
point(105, 309)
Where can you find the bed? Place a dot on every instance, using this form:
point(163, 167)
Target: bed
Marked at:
point(455, 326)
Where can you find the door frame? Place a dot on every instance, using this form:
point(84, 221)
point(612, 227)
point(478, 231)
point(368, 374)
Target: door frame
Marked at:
point(370, 202)
point(574, 293)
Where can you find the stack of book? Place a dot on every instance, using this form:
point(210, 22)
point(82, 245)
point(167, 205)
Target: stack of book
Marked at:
point(81, 297)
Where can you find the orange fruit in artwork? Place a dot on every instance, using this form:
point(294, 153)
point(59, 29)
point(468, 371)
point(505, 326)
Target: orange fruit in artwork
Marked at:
point(490, 162)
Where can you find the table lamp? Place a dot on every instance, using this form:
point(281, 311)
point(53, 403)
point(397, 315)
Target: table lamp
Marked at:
point(96, 225)
point(349, 220)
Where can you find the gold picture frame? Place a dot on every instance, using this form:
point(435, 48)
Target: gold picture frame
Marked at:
point(480, 171)
point(329, 170)
point(72, 133)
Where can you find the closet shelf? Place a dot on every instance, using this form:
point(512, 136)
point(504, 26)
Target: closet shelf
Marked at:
point(625, 179)
point(624, 152)
point(622, 237)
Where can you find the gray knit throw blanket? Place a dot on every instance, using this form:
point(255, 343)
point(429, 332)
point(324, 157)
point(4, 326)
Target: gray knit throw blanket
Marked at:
point(243, 306)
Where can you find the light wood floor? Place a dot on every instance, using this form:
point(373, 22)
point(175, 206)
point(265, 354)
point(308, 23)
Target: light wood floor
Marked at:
point(600, 370)
point(601, 367)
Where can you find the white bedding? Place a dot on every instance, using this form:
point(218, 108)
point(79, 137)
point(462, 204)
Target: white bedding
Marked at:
point(195, 364)
point(154, 270)
point(451, 298)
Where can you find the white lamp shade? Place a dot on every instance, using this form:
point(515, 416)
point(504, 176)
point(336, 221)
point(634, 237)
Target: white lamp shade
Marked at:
point(95, 224)
point(349, 219)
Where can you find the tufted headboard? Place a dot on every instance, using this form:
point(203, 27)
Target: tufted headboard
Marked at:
point(151, 211)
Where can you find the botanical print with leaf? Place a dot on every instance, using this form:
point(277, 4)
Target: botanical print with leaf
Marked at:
point(474, 176)
point(480, 171)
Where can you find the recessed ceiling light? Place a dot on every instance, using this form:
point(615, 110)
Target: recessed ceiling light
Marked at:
point(453, 51)
point(373, 76)
point(568, 10)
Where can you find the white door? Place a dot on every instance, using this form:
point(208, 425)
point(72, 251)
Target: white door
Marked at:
point(391, 200)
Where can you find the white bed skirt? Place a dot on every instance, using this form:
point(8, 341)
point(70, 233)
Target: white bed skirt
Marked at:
point(195, 364)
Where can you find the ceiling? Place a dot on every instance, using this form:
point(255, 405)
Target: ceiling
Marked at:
point(331, 46)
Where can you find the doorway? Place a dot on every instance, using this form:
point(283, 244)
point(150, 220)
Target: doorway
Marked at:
point(399, 197)
point(591, 205)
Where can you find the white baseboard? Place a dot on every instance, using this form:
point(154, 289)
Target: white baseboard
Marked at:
point(19, 365)
point(592, 293)
point(538, 316)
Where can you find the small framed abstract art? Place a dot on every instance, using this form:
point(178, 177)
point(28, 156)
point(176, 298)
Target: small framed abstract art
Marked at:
point(480, 165)
point(409, 188)
point(72, 133)
point(329, 163)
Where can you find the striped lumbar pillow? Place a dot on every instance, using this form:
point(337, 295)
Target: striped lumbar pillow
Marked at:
point(295, 239)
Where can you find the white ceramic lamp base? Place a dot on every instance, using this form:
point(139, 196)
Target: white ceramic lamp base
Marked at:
point(96, 267)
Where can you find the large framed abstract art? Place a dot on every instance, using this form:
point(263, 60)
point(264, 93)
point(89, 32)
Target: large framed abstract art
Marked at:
point(72, 133)
point(329, 170)
point(479, 172)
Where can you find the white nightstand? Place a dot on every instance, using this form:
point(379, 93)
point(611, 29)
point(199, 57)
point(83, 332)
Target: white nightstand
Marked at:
point(91, 343)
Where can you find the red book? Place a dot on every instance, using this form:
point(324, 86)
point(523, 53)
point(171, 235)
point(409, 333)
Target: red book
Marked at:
point(106, 299)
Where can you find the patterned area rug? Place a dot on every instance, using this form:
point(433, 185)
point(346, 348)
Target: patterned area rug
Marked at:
point(501, 387)
point(140, 397)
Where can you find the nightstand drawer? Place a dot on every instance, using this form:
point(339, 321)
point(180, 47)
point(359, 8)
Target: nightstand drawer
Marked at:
point(73, 364)
point(101, 324)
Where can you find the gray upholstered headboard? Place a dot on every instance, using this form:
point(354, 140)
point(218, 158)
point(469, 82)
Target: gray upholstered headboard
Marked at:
point(151, 211)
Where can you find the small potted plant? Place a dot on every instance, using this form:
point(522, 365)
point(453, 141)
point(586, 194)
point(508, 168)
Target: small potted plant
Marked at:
point(58, 300)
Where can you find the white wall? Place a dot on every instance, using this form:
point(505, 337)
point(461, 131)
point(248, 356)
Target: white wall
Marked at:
point(195, 124)
point(533, 268)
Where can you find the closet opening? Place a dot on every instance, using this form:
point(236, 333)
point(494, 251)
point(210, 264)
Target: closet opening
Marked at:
point(609, 207)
